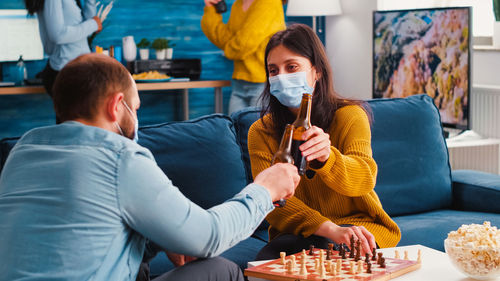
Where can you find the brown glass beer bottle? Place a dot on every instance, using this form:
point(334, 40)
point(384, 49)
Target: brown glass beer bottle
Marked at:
point(301, 124)
point(284, 155)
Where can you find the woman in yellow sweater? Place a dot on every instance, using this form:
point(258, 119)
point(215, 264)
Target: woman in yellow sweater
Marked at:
point(339, 200)
point(243, 40)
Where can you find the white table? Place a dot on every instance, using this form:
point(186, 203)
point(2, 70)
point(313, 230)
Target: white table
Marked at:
point(435, 265)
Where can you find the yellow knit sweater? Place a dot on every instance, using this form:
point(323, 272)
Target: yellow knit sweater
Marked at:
point(245, 36)
point(341, 191)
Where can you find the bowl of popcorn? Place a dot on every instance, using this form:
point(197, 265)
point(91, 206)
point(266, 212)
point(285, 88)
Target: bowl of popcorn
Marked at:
point(475, 250)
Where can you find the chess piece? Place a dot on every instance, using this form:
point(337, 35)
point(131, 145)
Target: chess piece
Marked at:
point(358, 251)
point(322, 271)
point(360, 266)
point(352, 269)
point(282, 256)
point(321, 256)
point(289, 268)
point(339, 265)
point(368, 267)
point(333, 269)
point(419, 257)
point(406, 255)
point(342, 249)
point(303, 269)
point(330, 246)
point(328, 255)
point(293, 261)
point(316, 264)
point(351, 253)
point(311, 250)
point(379, 257)
point(367, 258)
point(374, 254)
point(382, 262)
point(396, 254)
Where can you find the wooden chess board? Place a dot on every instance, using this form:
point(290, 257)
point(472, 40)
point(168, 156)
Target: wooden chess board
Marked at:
point(275, 270)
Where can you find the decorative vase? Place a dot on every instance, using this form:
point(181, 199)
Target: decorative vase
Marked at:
point(144, 54)
point(496, 34)
point(129, 48)
point(160, 54)
point(170, 53)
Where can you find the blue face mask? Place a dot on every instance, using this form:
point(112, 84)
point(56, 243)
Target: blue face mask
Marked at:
point(288, 88)
point(136, 128)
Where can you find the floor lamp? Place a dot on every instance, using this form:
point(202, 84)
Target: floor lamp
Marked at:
point(313, 8)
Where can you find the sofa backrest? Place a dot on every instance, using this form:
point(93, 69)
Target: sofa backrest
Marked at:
point(409, 148)
point(6, 146)
point(200, 156)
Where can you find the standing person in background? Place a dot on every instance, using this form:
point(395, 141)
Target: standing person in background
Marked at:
point(64, 27)
point(243, 40)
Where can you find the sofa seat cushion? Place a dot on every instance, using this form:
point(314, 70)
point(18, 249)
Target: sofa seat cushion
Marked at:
point(240, 254)
point(200, 156)
point(6, 146)
point(410, 150)
point(431, 228)
point(476, 191)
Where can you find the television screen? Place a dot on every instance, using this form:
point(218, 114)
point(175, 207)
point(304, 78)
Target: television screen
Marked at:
point(425, 51)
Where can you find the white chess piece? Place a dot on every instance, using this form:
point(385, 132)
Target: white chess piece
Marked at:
point(360, 266)
point(396, 254)
point(406, 255)
point(339, 265)
point(333, 269)
point(289, 267)
point(322, 271)
point(419, 257)
point(352, 269)
point(316, 264)
point(282, 256)
point(303, 269)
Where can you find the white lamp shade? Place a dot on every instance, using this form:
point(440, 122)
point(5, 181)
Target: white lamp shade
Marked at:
point(313, 8)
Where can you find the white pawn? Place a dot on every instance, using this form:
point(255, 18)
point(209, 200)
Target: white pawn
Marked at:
point(352, 269)
point(333, 269)
point(322, 271)
point(360, 266)
point(316, 264)
point(282, 256)
point(396, 254)
point(419, 257)
point(339, 265)
point(293, 261)
point(303, 269)
point(406, 255)
point(289, 267)
point(321, 256)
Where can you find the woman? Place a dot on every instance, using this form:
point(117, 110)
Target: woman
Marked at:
point(339, 201)
point(243, 40)
point(64, 27)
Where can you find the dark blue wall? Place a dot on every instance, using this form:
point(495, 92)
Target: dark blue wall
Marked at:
point(177, 20)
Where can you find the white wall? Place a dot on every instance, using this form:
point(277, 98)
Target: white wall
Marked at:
point(485, 67)
point(349, 48)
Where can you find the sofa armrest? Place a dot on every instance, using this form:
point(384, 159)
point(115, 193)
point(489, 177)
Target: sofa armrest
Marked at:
point(476, 191)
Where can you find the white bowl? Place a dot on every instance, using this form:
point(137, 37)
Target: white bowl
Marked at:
point(482, 263)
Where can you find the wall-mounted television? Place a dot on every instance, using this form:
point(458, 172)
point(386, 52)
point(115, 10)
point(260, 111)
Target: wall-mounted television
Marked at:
point(425, 51)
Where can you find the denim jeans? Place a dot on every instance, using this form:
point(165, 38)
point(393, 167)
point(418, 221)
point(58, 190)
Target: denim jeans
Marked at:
point(244, 94)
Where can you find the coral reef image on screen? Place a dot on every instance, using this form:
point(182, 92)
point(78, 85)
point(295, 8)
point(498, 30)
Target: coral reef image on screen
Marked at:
point(424, 51)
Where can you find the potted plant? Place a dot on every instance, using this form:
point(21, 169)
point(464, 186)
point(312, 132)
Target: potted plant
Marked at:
point(161, 46)
point(143, 46)
point(496, 27)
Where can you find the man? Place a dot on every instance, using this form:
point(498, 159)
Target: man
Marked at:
point(78, 200)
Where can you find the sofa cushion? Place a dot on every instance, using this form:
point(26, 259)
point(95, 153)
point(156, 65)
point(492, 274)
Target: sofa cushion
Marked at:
point(431, 228)
point(476, 191)
point(200, 156)
point(410, 150)
point(6, 146)
point(242, 120)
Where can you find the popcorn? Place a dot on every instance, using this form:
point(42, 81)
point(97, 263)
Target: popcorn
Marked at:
point(475, 249)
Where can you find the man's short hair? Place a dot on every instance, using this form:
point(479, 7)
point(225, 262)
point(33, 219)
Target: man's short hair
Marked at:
point(85, 82)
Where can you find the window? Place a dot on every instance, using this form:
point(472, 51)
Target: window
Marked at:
point(482, 11)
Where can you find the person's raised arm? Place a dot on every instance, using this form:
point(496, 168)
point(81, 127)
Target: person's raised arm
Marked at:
point(211, 23)
point(154, 207)
point(61, 33)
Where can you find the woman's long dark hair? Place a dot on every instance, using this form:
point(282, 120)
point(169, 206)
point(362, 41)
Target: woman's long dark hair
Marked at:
point(300, 39)
point(34, 6)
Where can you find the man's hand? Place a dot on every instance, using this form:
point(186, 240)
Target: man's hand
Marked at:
point(280, 180)
point(179, 260)
point(209, 3)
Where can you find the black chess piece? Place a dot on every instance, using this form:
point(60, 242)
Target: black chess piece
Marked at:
point(374, 254)
point(351, 253)
point(382, 262)
point(311, 250)
point(379, 258)
point(342, 250)
point(367, 258)
point(328, 254)
point(368, 267)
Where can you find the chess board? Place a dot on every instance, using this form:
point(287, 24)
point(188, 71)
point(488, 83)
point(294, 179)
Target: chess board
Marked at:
point(275, 270)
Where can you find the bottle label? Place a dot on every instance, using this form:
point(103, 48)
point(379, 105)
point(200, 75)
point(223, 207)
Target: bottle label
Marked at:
point(298, 159)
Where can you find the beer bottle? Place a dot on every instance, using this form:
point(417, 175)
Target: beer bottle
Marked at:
point(284, 155)
point(301, 124)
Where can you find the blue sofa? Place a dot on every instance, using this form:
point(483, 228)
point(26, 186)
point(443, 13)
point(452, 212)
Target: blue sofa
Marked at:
point(207, 158)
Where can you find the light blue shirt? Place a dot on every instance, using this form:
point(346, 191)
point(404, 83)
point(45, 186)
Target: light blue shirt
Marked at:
point(77, 202)
point(64, 30)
